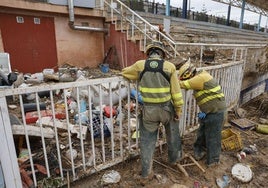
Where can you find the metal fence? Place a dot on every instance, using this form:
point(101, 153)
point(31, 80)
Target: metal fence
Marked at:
point(64, 131)
point(158, 8)
point(57, 133)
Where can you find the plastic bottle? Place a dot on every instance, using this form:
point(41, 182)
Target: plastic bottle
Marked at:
point(83, 105)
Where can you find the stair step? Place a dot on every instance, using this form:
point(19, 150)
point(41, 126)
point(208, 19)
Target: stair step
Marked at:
point(121, 27)
point(135, 38)
point(109, 19)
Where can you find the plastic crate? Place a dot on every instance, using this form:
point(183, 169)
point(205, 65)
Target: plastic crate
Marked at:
point(230, 140)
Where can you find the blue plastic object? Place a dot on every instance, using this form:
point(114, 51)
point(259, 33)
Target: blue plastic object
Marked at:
point(133, 94)
point(83, 105)
point(104, 68)
point(83, 118)
point(201, 115)
point(223, 182)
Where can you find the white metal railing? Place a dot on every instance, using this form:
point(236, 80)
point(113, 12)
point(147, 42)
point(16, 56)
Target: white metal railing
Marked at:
point(229, 77)
point(64, 130)
point(65, 140)
point(67, 144)
point(138, 26)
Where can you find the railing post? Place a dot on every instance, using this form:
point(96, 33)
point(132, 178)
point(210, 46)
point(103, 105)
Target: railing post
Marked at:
point(8, 155)
point(201, 55)
point(235, 54)
point(132, 26)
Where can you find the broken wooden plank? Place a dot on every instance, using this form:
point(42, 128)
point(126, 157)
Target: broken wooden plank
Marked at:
point(165, 166)
point(75, 129)
point(182, 170)
point(197, 164)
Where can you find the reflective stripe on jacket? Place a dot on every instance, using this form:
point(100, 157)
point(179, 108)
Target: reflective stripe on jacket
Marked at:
point(207, 92)
point(154, 87)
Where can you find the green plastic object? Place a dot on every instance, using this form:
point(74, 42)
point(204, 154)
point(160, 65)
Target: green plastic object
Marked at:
point(262, 129)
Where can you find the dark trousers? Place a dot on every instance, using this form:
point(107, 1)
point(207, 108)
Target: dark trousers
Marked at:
point(209, 136)
point(149, 122)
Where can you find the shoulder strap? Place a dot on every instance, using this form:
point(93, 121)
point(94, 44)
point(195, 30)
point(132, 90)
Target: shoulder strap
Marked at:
point(159, 68)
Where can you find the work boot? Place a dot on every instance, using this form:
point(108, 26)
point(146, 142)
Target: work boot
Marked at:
point(145, 180)
point(212, 165)
point(173, 159)
point(180, 155)
point(199, 155)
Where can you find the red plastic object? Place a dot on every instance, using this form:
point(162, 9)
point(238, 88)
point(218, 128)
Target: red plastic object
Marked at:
point(107, 111)
point(32, 117)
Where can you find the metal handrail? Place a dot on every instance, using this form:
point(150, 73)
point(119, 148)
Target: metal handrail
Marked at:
point(134, 15)
point(124, 10)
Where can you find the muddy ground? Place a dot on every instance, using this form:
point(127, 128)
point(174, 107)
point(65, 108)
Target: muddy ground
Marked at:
point(168, 176)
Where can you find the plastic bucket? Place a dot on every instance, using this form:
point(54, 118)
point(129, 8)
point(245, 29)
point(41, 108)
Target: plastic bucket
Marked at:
point(104, 68)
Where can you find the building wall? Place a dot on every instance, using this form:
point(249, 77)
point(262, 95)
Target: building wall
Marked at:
point(78, 48)
point(1, 43)
point(126, 52)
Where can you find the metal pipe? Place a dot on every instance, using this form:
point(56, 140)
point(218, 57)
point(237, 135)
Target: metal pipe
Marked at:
point(242, 14)
point(77, 27)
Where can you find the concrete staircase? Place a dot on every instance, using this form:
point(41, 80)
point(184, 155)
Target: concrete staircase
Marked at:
point(137, 28)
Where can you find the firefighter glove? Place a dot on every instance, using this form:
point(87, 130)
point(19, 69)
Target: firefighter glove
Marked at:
point(201, 115)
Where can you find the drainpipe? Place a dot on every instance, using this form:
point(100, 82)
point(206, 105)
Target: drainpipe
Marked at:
point(77, 27)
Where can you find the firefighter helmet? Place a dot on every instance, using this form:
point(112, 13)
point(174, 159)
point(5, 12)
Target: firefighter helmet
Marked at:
point(187, 71)
point(157, 47)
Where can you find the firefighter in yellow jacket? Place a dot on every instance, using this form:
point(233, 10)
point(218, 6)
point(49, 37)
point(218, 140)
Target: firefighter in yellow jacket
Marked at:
point(212, 105)
point(162, 103)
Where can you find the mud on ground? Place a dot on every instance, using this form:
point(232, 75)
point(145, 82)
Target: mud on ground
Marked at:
point(172, 177)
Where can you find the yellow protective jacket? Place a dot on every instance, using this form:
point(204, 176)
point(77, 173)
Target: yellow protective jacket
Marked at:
point(207, 92)
point(156, 87)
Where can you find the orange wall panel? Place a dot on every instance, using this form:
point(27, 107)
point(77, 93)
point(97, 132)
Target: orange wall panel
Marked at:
point(79, 48)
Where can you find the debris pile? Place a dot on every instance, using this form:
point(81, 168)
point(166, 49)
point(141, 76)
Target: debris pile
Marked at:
point(74, 120)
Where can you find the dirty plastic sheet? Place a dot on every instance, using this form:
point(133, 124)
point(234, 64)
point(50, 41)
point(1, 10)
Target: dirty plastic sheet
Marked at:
point(111, 177)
